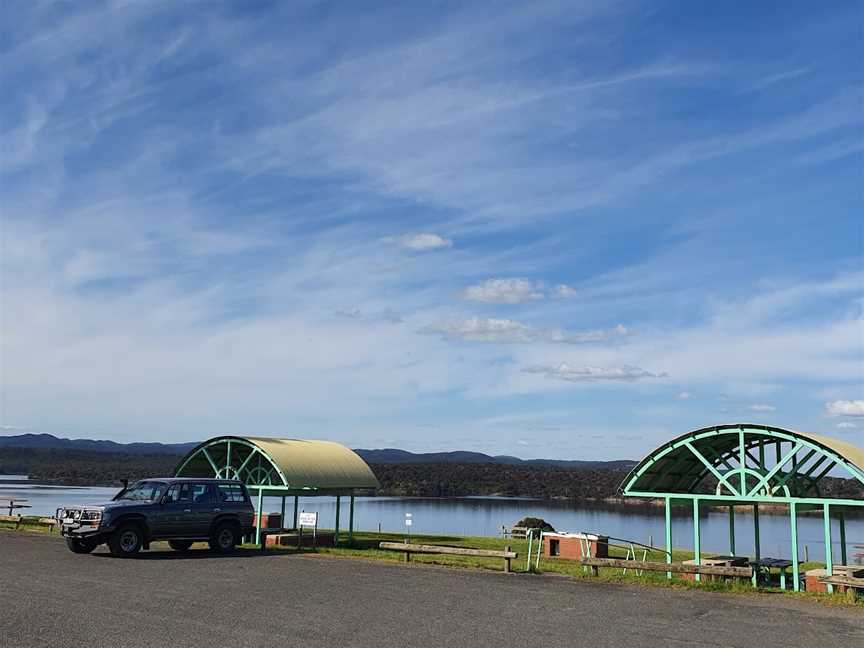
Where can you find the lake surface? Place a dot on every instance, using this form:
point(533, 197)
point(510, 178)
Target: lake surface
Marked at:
point(486, 515)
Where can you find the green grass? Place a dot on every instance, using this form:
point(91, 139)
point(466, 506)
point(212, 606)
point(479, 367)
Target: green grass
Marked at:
point(366, 547)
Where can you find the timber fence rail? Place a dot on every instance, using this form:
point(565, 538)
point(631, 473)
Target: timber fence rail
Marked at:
point(678, 568)
point(507, 555)
point(28, 521)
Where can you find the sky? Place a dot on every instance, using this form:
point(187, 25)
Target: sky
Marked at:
point(547, 229)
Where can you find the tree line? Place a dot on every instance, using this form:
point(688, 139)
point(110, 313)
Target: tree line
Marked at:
point(84, 468)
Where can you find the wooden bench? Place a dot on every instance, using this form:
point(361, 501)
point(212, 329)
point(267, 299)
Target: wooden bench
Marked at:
point(854, 586)
point(507, 555)
point(676, 568)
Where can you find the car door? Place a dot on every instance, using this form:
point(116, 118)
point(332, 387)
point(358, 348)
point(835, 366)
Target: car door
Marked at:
point(175, 518)
point(202, 505)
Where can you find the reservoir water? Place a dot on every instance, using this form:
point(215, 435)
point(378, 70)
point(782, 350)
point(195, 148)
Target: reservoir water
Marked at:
point(486, 515)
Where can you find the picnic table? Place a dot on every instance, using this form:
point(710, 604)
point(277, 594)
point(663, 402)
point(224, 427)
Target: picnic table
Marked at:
point(12, 503)
point(763, 568)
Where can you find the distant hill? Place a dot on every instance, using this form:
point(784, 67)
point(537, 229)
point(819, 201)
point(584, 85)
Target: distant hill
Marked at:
point(380, 456)
point(50, 442)
point(394, 456)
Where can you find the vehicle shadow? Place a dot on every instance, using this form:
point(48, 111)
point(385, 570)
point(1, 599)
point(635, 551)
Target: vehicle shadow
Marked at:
point(196, 554)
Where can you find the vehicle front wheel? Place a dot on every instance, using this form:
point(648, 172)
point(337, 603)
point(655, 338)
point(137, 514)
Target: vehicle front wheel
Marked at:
point(79, 546)
point(225, 537)
point(180, 545)
point(126, 541)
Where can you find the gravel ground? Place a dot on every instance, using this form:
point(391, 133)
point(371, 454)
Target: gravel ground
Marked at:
point(51, 597)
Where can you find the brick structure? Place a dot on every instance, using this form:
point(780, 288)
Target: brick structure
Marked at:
point(570, 545)
point(324, 539)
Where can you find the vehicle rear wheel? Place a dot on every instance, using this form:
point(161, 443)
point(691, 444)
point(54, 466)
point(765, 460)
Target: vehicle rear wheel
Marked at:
point(126, 541)
point(79, 546)
point(180, 545)
point(224, 538)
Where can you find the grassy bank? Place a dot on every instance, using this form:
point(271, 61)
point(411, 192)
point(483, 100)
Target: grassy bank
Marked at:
point(365, 546)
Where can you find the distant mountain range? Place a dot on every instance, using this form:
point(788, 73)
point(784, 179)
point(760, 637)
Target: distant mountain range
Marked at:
point(380, 456)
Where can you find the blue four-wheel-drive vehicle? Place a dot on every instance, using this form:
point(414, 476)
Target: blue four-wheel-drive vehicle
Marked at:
point(181, 511)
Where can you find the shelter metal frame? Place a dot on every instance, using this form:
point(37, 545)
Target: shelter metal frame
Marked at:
point(252, 461)
point(751, 465)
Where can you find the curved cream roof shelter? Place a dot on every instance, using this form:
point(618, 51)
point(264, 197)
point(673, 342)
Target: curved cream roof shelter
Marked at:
point(283, 467)
point(294, 464)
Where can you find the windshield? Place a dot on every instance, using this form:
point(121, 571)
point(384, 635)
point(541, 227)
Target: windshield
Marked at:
point(143, 491)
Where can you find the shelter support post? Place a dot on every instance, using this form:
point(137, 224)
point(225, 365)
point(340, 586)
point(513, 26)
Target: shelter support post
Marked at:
point(351, 520)
point(697, 536)
point(829, 562)
point(793, 521)
point(842, 519)
point(282, 518)
point(668, 533)
point(336, 530)
point(756, 548)
point(259, 516)
point(731, 530)
point(756, 540)
point(296, 512)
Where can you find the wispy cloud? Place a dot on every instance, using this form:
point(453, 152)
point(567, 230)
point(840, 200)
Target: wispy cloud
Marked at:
point(516, 291)
point(761, 407)
point(422, 242)
point(593, 374)
point(504, 291)
point(478, 329)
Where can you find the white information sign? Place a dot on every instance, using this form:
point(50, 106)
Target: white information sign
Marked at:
point(308, 519)
point(408, 519)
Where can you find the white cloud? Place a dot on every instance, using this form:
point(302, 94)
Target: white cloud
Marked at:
point(421, 242)
point(504, 291)
point(684, 395)
point(762, 407)
point(515, 291)
point(846, 425)
point(480, 329)
point(590, 374)
point(563, 291)
point(845, 408)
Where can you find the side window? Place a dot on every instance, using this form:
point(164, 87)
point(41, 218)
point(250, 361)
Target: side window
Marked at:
point(231, 493)
point(201, 493)
point(179, 493)
point(173, 494)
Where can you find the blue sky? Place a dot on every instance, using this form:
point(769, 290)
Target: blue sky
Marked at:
point(548, 229)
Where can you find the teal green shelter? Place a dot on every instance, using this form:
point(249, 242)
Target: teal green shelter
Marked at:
point(744, 464)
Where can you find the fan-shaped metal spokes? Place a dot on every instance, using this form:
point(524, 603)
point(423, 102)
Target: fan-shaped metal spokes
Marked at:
point(232, 459)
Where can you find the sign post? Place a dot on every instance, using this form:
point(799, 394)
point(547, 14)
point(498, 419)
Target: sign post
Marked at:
point(309, 519)
point(409, 520)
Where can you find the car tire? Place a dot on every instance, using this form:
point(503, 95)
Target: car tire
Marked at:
point(225, 537)
point(180, 545)
point(126, 541)
point(79, 546)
